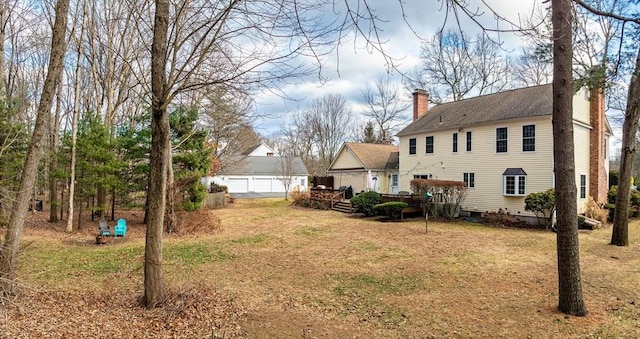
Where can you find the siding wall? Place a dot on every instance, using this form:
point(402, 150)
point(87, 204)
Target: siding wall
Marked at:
point(357, 179)
point(346, 160)
point(488, 165)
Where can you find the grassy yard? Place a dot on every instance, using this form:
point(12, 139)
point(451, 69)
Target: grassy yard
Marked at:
point(267, 270)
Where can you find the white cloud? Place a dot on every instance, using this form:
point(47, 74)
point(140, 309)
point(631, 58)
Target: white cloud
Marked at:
point(355, 65)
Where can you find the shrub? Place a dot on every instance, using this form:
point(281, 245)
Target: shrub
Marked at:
point(215, 188)
point(392, 209)
point(450, 193)
point(365, 201)
point(611, 194)
point(634, 201)
point(299, 198)
point(542, 204)
point(614, 175)
point(195, 197)
point(594, 211)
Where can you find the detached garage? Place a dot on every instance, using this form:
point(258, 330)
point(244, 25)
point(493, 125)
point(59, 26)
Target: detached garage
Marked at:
point(238, 185)
point(261, 174)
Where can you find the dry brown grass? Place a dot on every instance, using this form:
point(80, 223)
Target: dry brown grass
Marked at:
point(275, 271)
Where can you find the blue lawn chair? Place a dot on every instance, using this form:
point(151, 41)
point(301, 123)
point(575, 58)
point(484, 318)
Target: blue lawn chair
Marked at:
point(120, 228)
point(103, 228)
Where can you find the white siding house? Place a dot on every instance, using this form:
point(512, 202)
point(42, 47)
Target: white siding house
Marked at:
point(354, 161)
point(501, 146)
point(260, 170)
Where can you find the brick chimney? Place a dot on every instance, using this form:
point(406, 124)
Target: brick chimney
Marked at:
point(420, 103)
point(598, 178)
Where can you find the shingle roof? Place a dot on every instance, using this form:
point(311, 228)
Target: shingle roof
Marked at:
point(373, 156)
point(250, 149)
point(511, 104)
point(260, 166)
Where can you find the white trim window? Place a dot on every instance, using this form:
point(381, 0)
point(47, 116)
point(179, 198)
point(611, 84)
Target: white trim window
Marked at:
point(583, 186)
point(529, 138)
point(455, 143)
point(428, 144)
point(501, 140)
point(412, 146)
point(514, 182)
point(469, 180)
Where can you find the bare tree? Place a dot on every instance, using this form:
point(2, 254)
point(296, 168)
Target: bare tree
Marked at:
point(532, 67)
point(453, 66)
point(570, 298)
point(286, 171)
point(11, 244)
point(386, 106)
point(329, 119)
point(612, 17)
point(299, 139)
point(196, 45)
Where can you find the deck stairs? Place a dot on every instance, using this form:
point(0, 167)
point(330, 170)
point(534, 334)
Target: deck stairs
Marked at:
point(343, 206)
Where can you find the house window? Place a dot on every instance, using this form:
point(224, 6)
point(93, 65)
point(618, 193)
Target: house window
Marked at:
point(468, 141)
point(429, 144)
point(514, 182)
point(469, 180)
point(583, 186)
point(528, 138)
point(412, 146)
point(455, 142)
point(394, 180)
point(501, 140)
point(422, 176)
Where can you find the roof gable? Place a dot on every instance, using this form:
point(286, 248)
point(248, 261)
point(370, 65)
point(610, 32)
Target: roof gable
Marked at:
point(258, 165)
point(261, 150)
point(511, 104)
point(367, 156)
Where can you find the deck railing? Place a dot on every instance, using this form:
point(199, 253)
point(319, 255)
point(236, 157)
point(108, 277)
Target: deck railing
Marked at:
point(327, 195)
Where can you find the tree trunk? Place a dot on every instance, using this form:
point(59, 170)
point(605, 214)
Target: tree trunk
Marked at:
point(11, 244)
point(171, 198)
point(620, 235)
point(113, 204)
point(570, 299)
point(74, 138)
point(160, 152)
point(3, 24)
point(53, 162)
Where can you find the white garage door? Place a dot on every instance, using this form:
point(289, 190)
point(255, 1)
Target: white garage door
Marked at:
point(238, 185)
point(262, 184)
point(278, 186)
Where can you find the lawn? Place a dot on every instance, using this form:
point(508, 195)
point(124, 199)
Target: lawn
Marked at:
point(263, 269)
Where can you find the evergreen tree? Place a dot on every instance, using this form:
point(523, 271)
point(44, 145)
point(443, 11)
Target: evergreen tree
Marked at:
point(191, 158)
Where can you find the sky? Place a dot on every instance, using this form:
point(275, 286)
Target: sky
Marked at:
point(355, 66)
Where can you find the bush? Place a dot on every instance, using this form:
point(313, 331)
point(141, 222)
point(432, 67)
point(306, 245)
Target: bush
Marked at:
point(300, 198)
point(364, 202)
point(614, 175)
point(450, 193)
point(215, 188)
point(634, 201)
point(195, 197)
point(594, 211)
point(392, 209)
point(611, 194)
point(542, 204)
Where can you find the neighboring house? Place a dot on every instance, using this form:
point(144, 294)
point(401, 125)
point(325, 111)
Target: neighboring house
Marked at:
point(261, 170)
point(501, 146)
point(354, 161)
